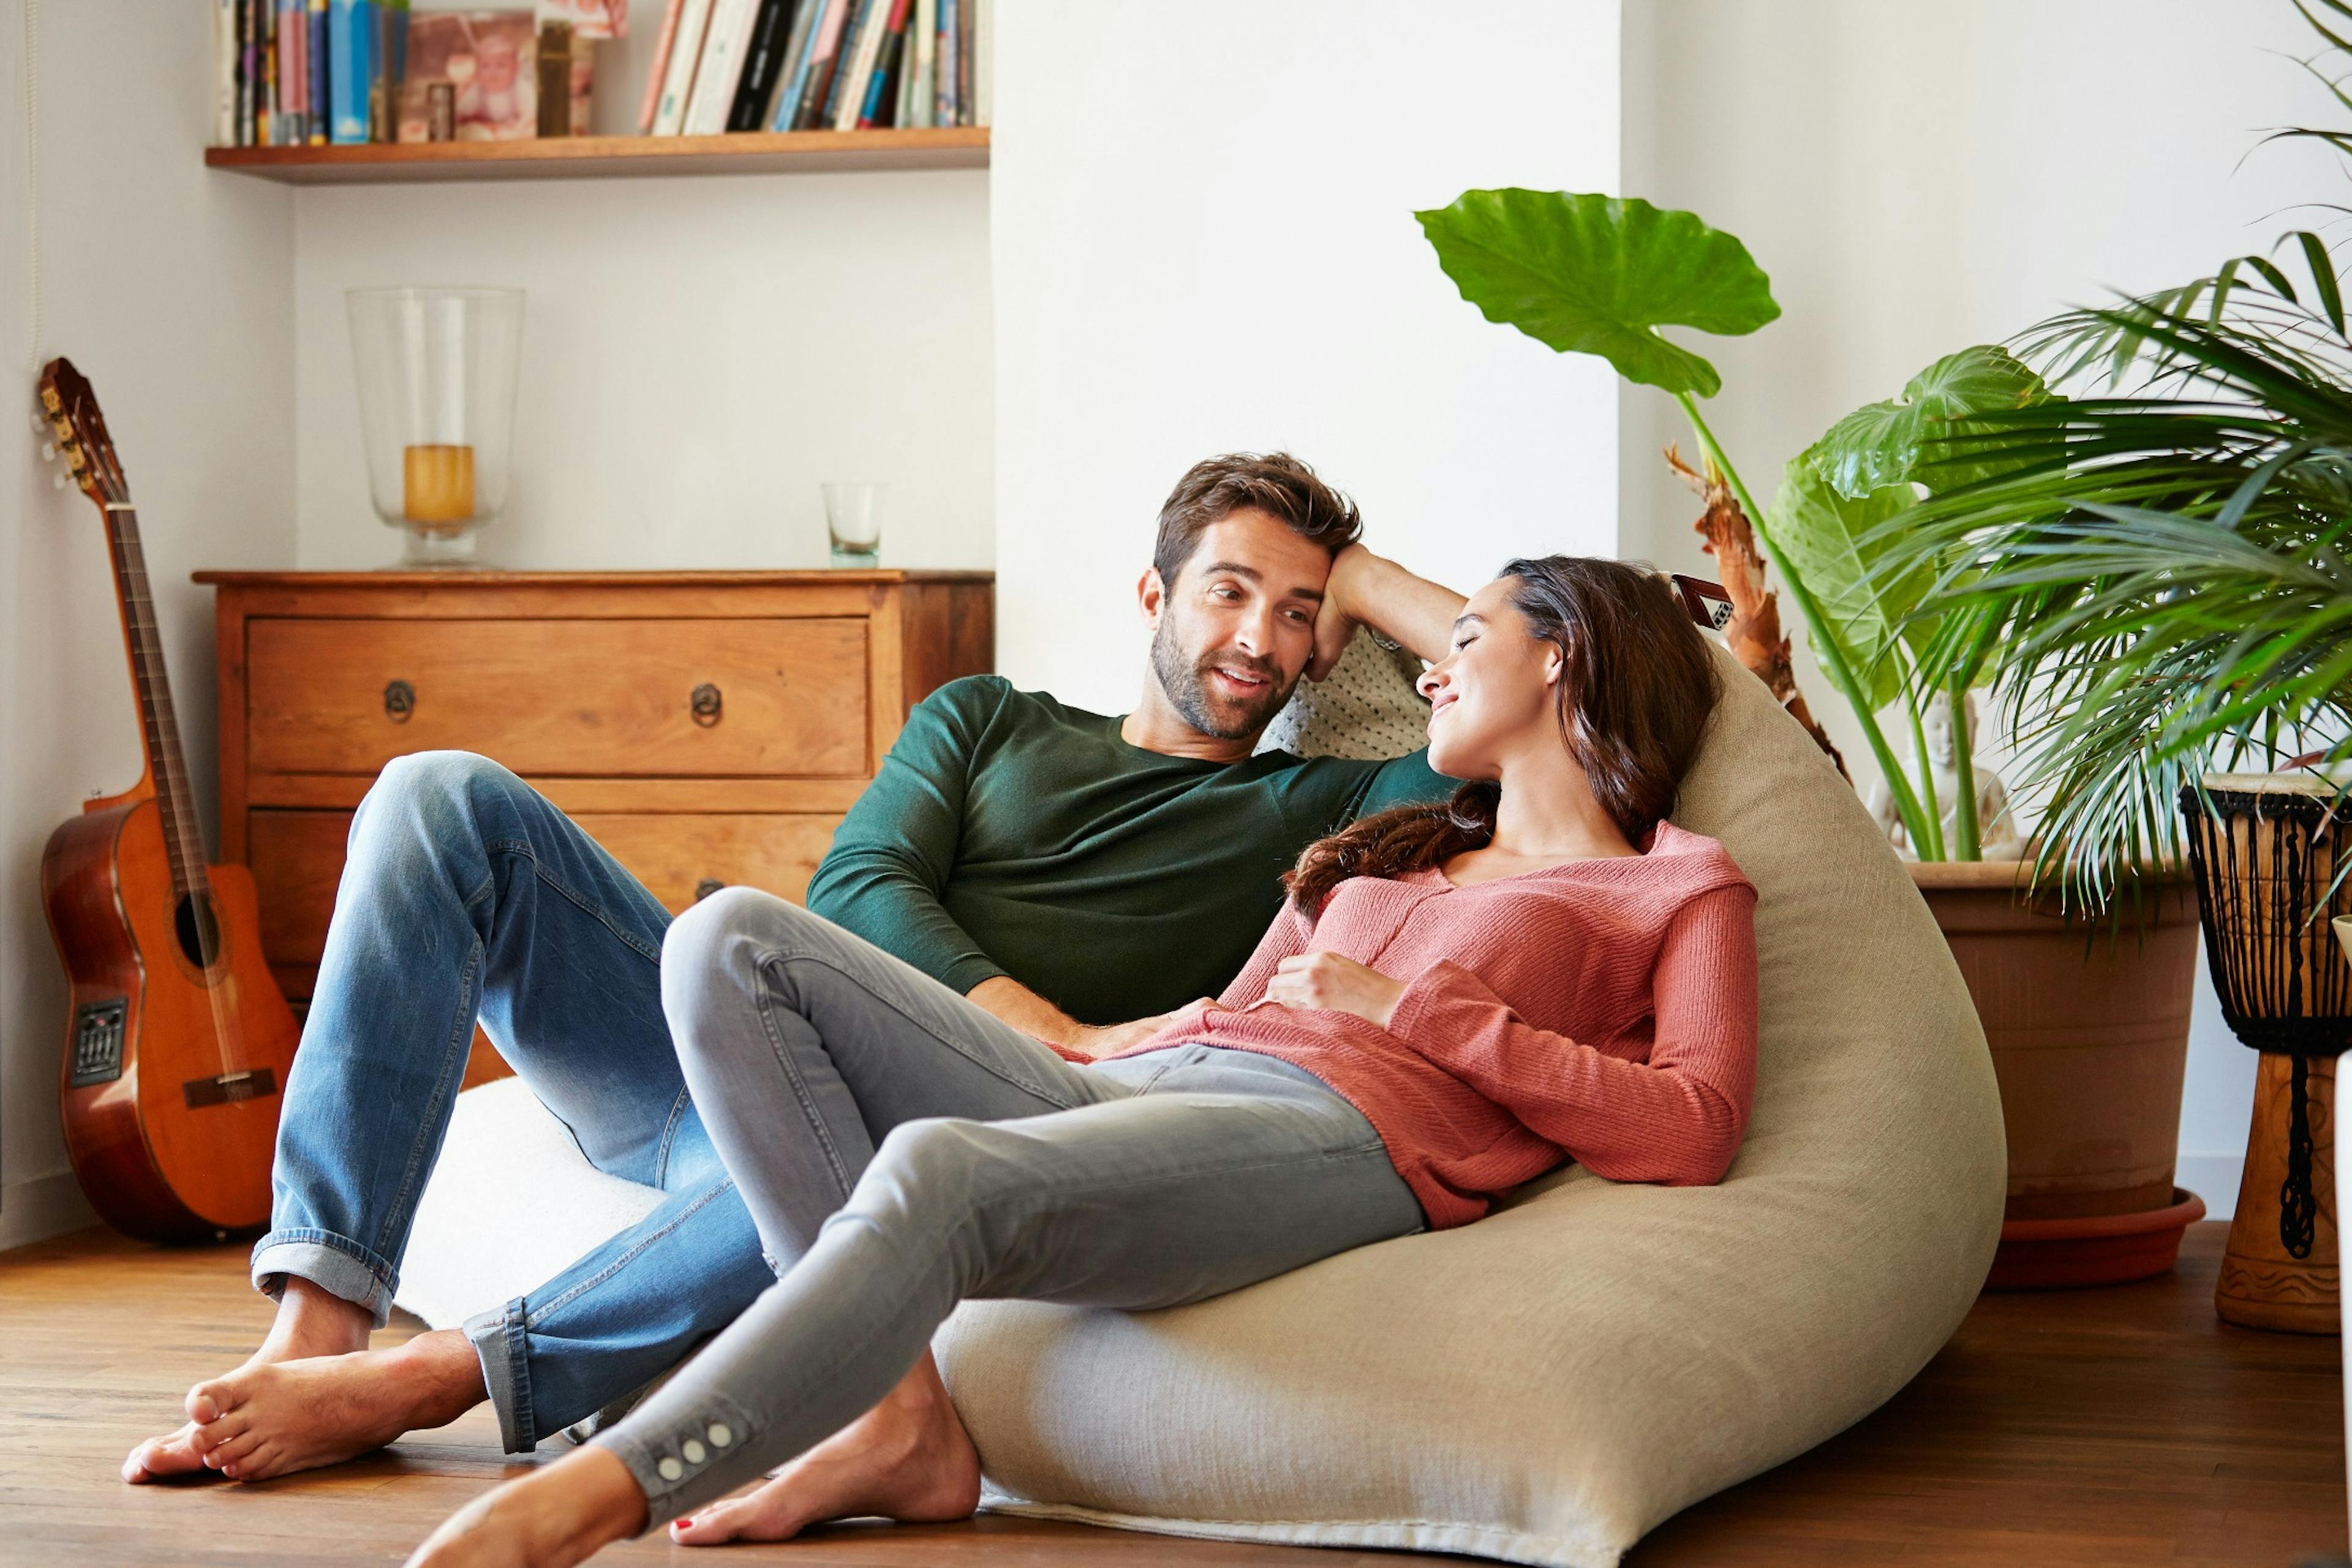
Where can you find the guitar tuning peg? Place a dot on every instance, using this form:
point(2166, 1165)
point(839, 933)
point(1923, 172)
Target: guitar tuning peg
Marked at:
point(40, 424)
point(48, 451)
point(58, 480)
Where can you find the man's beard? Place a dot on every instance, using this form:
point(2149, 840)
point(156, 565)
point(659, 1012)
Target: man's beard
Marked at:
point(1190, 693)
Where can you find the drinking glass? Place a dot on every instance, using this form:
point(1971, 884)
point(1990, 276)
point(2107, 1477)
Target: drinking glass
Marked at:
point(853, 517)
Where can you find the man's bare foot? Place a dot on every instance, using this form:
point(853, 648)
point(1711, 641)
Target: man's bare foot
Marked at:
point(907, 1458)
point(281, 1417)
point(309, 1322)
point(552, 1518)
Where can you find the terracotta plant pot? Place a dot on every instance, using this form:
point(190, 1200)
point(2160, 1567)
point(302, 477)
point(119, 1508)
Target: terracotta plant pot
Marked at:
point(2089, 1031)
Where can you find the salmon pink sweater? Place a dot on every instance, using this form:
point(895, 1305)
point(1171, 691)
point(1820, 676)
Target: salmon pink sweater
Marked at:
point(1602, 1011)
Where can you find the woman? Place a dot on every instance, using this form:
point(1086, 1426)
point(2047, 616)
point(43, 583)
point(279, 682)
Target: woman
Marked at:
point(1454, 998)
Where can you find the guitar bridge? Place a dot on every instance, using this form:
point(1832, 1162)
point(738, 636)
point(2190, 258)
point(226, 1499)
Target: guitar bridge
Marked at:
point(228, 1088)
point(97, 1042)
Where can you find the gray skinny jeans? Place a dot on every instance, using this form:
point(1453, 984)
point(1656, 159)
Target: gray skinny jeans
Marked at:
point(900, 1151)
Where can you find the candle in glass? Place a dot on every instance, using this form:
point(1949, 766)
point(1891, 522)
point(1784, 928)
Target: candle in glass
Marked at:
point(437, 483)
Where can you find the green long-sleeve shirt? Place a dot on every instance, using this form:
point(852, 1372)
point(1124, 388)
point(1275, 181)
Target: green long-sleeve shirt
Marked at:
point(1006, 834)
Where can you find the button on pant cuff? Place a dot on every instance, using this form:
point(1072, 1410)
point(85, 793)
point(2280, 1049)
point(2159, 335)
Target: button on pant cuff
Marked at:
point(342, 1269)
point(682, 1465)
point(497, 1336)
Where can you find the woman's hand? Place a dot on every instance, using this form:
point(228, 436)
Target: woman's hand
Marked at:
point(1339, 984)
point(1113, 1039)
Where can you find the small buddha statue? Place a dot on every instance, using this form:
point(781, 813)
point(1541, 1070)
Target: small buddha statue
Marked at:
point(1997, 835)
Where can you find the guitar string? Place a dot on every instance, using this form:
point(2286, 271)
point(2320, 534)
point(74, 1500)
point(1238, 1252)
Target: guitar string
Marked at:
point(159, 720)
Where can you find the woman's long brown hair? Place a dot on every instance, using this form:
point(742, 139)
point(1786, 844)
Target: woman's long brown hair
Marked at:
point(1636, 685)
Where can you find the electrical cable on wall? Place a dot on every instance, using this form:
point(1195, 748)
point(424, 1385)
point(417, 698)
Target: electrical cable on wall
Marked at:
point(33, 175)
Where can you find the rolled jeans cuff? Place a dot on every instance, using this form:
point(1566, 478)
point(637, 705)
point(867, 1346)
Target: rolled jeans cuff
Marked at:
point(497, 1337)
point(335, 1264)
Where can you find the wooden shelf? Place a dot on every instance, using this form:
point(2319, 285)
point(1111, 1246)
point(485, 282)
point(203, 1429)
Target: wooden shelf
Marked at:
point(606, 157)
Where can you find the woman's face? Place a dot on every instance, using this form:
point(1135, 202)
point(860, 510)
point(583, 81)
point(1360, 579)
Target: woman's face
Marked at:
point(1494, 691)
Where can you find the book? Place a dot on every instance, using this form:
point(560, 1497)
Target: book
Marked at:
point(886, 66)
point(391, 70)
point(943, 68)
point(963, 60)
point(720, 70)
point(902, 90)
point(288, 36)
point(319, 126)
point(241, 131)
point(983, 62)
point(800, 60)
point(490, 59)
point(662, 42)
point(224, 79)
point(847, 92)
point(923, 92)
point(351, 41)
point(856, 81)
point(685, 54)
point(762, 65)
point(265, 98)
point(826, 55)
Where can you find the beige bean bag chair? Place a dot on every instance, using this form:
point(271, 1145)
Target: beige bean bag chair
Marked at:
point(1546, 1384)
point(1549, 1383)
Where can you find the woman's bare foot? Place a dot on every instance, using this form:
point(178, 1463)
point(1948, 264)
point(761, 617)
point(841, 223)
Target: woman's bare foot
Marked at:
point(551, 1519)
point(281, 1416)
point(907, 1458)
point(309, 1322)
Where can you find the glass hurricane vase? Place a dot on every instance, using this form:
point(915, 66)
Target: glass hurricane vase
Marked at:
point(437, 369)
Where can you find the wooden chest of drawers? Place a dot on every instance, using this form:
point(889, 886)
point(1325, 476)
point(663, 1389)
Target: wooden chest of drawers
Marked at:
point(707, 728)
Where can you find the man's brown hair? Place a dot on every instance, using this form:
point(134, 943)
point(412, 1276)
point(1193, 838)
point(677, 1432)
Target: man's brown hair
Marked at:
point(1273, 482)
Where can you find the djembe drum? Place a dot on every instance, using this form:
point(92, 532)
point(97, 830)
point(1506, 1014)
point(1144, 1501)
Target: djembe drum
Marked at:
point(2270, 851)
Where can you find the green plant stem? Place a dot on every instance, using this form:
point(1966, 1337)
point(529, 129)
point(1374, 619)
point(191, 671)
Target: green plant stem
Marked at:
point(1932, 847)
point(1825, 643)
point(1965, 826)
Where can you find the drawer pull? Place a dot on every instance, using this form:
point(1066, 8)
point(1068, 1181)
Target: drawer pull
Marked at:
point(399, 701)
point(705, 888)
point(704, 705)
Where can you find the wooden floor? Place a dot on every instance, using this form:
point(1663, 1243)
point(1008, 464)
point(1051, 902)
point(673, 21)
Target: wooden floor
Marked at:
point(2117, 1427)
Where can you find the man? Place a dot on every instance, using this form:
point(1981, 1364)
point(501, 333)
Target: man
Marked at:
point(1070, 873)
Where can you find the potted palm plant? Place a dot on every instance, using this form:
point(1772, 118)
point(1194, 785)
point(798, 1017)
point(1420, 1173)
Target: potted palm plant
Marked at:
point(2091, 1193)
point(2160, 581)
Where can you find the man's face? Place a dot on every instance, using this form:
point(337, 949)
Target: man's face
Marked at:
point(1233, 633)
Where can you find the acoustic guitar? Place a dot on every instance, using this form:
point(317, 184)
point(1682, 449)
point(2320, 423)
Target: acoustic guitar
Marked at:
point(178, 1041)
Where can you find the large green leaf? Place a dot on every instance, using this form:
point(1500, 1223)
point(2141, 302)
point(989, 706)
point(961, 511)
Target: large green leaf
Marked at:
point(1597, 274)
point(1831, 542)
point(1917, 436)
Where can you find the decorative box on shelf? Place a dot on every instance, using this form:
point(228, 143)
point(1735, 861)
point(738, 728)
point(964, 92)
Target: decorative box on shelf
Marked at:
point(708, 728)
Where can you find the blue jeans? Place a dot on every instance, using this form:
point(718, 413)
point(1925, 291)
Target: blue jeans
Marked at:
point(467, 894)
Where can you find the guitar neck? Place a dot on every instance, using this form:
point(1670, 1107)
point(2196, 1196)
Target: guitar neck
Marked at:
point(159, 723)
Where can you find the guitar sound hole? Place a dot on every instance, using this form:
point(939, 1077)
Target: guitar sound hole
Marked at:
point(198, 932)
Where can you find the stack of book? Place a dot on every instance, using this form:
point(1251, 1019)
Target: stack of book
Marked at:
point(818, 65)
point(292, 73)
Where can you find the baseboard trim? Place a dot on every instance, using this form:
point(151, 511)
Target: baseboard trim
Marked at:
point(37, 1207)
point(2214, 1178)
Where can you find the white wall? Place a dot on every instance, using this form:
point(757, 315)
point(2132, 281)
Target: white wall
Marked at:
point(1204, 241)
point(168, 287)
point(698, 355)
point(1918, 176)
